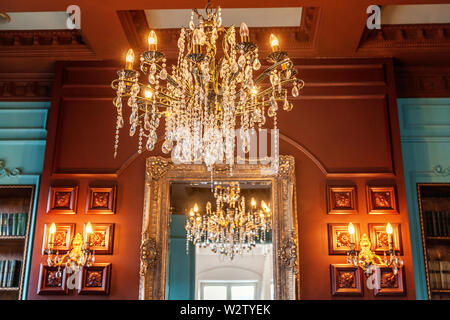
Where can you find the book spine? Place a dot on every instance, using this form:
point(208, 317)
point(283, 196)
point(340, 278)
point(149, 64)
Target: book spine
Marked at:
point(447, 223)
point(5, 273)
point(11, 273)
point(2, 267)
point(24, 226)
point(20, 218)
point(447, 274)
point(14, 225)
point(1, 224)
point(443, 274)
point(434, 223)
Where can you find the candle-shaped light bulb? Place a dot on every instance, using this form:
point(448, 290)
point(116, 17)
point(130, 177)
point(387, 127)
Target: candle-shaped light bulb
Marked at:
point(197, 41)
point(129, 60)
point(389, 228)
point(351, 231)
point(88, 235)
point(51, 236)
point(152, 41)
point(245, 34)
point(195, 208)
point(253, 203)
point(88, 228)
point(191, 213)
point(148, 92)
point(274, 43)
point(254, 91)
point(389, 232)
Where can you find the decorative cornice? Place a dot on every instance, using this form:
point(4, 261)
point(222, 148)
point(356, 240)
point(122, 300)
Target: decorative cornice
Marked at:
point(25, 86)
point(426, 82)
point(407, 36)
point(6, 172)
point(43, 43)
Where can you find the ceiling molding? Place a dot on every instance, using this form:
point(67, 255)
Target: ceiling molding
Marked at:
point(407, 36)
point(134, 23)
point(44, 43)
point(25, 86)
point(426, 82)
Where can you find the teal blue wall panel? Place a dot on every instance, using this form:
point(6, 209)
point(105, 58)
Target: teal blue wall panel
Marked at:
point(425, 137)
point(22, 145)
point(180, 266)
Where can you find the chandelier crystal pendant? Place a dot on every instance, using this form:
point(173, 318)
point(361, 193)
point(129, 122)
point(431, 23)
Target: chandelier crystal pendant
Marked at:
point(204, 98)
point(232, 228)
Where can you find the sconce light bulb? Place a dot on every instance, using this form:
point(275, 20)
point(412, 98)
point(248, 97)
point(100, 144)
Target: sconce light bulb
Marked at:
point(88, 228)
point(129, 60)
point(351, 228)
point(195, 208)
point(197, 37)
point(191, 213)
point(52, 228)
point(253, 202)
point(243, 30)
point(254, 91)
point(389, 228)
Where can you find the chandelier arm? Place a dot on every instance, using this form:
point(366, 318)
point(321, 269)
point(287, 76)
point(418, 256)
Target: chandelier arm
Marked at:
point(270, 89)
point(266, 72)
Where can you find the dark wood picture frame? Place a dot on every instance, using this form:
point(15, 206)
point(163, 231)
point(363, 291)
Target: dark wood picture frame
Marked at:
point(346, 280)
point(338, 237)
point(381, 200)
point(49, 283)
point(62, 200)
point(101, 200)
point(391, 284)
point(95, 279)
point(342, 200)
point(61, 228)
point(102, 237)
point(377, 234)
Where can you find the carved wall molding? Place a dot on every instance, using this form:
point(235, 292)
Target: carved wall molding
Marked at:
point(6, 172)
point(154, 246)
point(407, 36)
point(427, 82)
point(441, 171)
point(26, 86)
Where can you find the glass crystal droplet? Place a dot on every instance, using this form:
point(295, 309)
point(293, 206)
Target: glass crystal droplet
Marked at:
point(286, 104)
point(191, 25)
point(287, 74)
point(234, 67)
point(273, 103)
point(295, 91)
point(120, 122)
point(167, 146)
point(151, 78)
point(241, 61)
point(153, 68)
point(132, 117)
point(256, 64)
point(133, 129)
point(271, 112)
point(219, 21)
point(146, 124)
point(248, 71)
point(163, 74)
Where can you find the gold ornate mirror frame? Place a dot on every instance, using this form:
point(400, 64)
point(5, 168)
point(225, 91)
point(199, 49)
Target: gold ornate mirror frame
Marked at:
point(160, 172)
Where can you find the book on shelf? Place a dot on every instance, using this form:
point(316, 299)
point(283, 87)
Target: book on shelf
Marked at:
point(9, 273)
point(13, 224)
point(439, 274)
point(437, 223)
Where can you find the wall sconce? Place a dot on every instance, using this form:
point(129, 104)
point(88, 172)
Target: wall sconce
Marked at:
point(78, 255)
point(366, 258)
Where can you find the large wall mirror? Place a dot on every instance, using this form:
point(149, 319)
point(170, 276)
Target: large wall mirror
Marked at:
point(209, 262)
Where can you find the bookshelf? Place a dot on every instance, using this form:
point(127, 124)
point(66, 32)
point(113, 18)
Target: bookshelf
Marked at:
point(434, 206)
point(16, 202)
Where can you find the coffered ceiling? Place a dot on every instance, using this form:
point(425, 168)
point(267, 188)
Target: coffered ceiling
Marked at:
point(412, 33)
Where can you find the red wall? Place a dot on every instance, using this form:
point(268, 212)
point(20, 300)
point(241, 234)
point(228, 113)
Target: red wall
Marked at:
point(343, 130)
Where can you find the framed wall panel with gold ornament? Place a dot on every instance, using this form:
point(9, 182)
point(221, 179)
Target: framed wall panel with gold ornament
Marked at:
point(61, 241)
point(391, 284)
point(381, 200)
point(102, 238)
point(341, 200)
point(339, 238)
point(95, 279)
point(50, 282)
point(380, 238)
point(101, 200)
point(62, 200)
point(346, 280)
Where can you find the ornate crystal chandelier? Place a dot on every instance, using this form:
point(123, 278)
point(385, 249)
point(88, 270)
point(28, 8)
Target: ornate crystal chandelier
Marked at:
point(205, 97)
point(232, 228)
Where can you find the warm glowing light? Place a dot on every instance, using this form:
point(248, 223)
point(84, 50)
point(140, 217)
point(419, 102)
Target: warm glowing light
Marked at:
point(254, 91)
point(88, 228)
point(129, 60)
point(244, 32)
point(191, 213)
point(274, 43)
point(253, 202)
point(389, 228)
point(264, 206)
point(195, 208)
point(351, 228)
point(197, 37)
point(52, 228)
point(152, 41)
point(148, 93)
